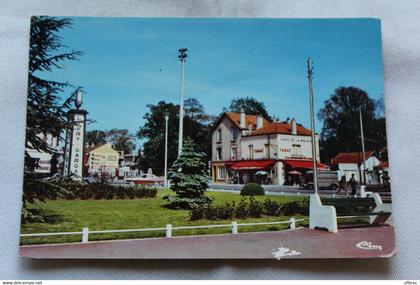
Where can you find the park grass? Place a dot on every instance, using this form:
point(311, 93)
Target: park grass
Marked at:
point(73, 215)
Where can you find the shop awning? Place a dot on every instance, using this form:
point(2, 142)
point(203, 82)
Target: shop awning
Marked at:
point(307, 164)
point(252, 164)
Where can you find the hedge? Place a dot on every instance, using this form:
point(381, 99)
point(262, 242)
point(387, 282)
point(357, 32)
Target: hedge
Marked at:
point(249, 208)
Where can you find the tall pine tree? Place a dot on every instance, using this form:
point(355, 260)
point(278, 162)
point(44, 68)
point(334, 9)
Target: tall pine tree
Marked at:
point(46, 109)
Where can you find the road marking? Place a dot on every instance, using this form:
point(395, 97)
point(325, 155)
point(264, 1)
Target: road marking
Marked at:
point(284, 251)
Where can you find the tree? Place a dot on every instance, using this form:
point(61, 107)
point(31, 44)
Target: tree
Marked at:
point(121, 140)
point(189, 179)
point(95, 137)
point(46, 110)
point(341, 125)
point(154, 132)
point(250, 106)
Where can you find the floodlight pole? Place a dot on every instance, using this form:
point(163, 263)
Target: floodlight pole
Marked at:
point(166, 149)
point(182, 57)
point(311, 104)
point(363, 145)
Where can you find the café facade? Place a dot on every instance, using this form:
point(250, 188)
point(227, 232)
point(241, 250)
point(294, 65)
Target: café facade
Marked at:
point(249, 148)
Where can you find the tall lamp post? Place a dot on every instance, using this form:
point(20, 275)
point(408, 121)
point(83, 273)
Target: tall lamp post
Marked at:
point(182, 57)
point(166, 149)
point(363, 145)
point(311, 103)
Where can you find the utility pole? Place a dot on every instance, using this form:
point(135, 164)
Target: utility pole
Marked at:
point(166, 149)
point(182, 57)
point(363, 145)
point(311, 104)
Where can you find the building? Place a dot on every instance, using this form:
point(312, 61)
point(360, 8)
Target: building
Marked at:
point(249, 148)
point(43, 162)
point(348, 163)
point(102, 159)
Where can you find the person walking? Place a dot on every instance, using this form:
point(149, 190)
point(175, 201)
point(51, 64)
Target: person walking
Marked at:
point(342, 184)
point(353, 185)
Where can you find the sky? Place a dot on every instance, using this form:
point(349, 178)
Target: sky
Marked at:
point(131, 62)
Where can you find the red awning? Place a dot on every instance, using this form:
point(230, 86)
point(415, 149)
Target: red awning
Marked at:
point(303, 164)
point(252, 164)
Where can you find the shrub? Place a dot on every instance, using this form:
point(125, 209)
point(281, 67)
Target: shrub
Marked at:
point(295, 207)
point(252, 189)
point(241, 210)
point(272, 208)
point(255, 208)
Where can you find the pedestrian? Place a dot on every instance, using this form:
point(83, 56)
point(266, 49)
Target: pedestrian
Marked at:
point(342, 184)
point(353, 184)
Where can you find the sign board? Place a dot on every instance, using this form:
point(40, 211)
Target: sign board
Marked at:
point(77, 144)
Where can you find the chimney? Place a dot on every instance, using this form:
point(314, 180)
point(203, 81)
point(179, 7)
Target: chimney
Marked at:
point(242, 122)
point(259, 122)
point(293, 123)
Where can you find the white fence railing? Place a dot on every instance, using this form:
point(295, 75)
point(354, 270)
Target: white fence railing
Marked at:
point(168, 229)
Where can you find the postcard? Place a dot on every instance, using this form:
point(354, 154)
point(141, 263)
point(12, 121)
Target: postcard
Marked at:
point(205, 138)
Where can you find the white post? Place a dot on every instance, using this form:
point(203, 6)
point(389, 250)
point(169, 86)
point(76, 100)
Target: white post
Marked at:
point(363, 146)
point(311, 105)
point(166, 150)
point(234, 227)
point(168, 230)
point(292, 223)
point(363, 191)
point(85, 235)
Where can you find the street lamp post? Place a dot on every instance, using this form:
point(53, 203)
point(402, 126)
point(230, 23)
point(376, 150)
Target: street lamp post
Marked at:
point(363, 145)
point(166, 149)
point(182, 57)
point(311, 103)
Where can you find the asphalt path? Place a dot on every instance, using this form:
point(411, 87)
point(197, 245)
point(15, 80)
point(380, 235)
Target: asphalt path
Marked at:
point(364, 242)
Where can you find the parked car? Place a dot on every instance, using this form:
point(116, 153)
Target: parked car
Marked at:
point(146, 179)
point(327, 179)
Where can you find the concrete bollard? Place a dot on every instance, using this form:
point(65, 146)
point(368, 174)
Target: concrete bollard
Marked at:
point(234, 227)
point(168, 230)
point(85, 235)
point(292, 223)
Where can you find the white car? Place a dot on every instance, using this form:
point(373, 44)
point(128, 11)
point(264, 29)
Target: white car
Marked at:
point(147, 180)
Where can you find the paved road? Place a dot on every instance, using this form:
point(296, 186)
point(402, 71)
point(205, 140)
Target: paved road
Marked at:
point(300, 243)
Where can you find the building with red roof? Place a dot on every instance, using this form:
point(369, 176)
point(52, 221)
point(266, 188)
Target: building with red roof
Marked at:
point(250, 148)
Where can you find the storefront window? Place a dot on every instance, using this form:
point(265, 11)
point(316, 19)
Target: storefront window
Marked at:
point(222, 173)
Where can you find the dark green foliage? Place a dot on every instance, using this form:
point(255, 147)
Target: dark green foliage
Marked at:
point(272, 208)
point(255, 208)
point(341, 127)
point(46, 109)
point(250, 105)
point(252, 189)
point(38, 190)
point(249, 208)
point(189, 179)
point(196, 126)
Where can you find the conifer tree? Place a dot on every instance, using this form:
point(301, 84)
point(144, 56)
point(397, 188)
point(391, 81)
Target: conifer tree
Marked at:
point(189, 179)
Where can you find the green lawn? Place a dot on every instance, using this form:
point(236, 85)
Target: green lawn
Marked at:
point(73, 215)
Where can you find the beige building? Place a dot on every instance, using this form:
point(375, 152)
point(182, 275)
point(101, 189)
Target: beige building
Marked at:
point(249, 148)
point(102, 159)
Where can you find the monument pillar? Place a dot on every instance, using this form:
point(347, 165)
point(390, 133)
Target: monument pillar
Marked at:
point(75, 141)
